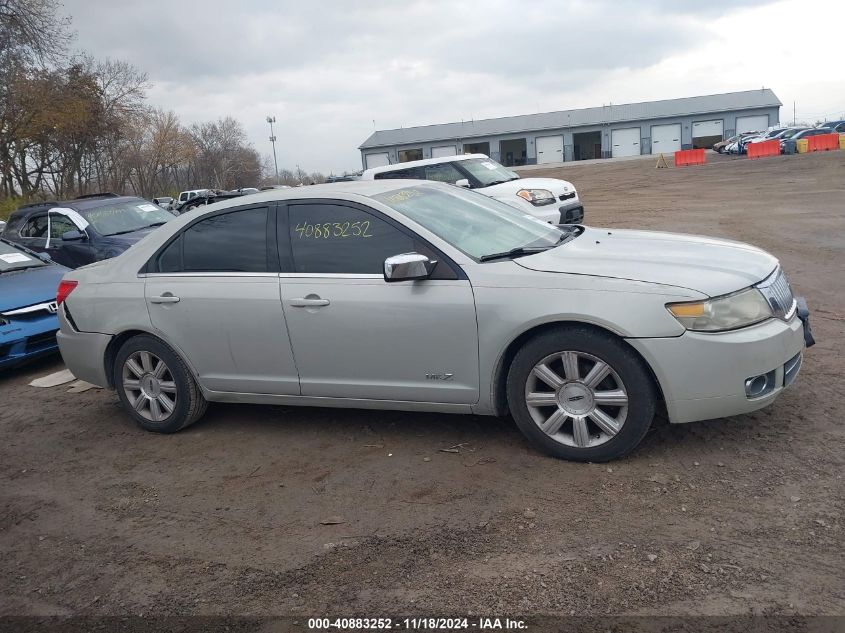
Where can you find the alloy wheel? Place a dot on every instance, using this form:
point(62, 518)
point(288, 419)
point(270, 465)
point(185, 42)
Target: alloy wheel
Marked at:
point(149, 386)
point(577, 399)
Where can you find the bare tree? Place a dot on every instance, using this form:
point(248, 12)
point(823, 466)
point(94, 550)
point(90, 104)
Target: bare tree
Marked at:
point(33, 33)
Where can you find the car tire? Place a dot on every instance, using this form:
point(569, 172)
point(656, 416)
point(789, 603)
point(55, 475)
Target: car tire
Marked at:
point(555, 404)
point(155, 386)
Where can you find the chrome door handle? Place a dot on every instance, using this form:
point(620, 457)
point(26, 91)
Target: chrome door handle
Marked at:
point(308, 303)
point(165, 298)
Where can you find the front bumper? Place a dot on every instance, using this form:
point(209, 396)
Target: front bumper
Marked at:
point(703, 375)
point(25, 339)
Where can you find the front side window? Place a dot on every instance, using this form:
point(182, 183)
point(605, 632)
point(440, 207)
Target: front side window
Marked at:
point(336, 239)
point(487, 172)
point(59, 225)
point(229, 242)
point(469, 221)
point(443, 172)
point(125, 217)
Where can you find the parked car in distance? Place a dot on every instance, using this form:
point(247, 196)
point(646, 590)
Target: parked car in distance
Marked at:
point(2, 225)
point(423, 296)
point(28, 321)
point(77, 232)
point(549, 199)
point(722, 145)
point(184, 196)
point(268, 187)
point(736, 146)
point(834, 126)
point(209, 196)
point(165, 202)
point(771, 133)
point(805, 133)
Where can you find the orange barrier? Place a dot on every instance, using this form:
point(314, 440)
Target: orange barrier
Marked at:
point(763, 148)
point(689, 157)
point(823, 142)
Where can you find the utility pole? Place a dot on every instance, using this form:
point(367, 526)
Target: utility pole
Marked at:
point(271, 120)
point(793, 113)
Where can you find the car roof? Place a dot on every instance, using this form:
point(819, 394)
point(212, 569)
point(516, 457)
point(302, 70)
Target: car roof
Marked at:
point(426, 161)
point(84, 204)
point(338, 190)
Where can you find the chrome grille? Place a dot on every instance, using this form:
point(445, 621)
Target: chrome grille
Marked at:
point(778, 293)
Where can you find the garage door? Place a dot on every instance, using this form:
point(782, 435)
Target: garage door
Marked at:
point(443, 150)
point(665, 139)
point(549, 149)
point(377, 160)
point(706, 133)
point(625, 142)
point(752, 123)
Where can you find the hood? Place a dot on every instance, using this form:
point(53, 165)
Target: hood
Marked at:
point(127, 239)
point(554, 185)
point(20, 288)
point(705, 264)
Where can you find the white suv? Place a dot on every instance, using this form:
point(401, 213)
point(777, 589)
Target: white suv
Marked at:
point(549, 199)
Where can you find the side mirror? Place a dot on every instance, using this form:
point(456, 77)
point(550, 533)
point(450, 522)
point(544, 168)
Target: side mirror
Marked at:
point(407, 267)
point(463, 182)
point(72, 236)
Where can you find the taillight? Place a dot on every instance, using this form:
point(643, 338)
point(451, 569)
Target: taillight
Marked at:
point(65, 288)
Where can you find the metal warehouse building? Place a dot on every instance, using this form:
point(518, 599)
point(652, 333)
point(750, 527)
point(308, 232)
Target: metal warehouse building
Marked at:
point(608, 131)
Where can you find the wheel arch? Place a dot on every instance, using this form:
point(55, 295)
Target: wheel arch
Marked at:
point(499, 382)
point(117, 342)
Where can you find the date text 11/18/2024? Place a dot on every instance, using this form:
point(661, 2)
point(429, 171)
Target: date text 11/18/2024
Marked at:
point(417, 624)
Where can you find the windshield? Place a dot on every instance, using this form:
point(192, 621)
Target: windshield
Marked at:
point(469, 221)
point(12, 258)
point(487, 171)
point(125, 217)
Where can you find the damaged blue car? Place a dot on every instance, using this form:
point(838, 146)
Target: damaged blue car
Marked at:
point(28, 319)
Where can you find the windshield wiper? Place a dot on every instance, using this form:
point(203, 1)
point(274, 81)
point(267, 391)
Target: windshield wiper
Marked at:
point(519, 251)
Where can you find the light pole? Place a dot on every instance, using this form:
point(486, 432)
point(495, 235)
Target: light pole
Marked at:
point(271, 120)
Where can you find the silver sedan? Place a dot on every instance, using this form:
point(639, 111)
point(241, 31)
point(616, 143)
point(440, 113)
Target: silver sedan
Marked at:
point(425, 296)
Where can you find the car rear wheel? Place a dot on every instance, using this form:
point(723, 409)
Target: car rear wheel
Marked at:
point(155, 386)
point(581, 394)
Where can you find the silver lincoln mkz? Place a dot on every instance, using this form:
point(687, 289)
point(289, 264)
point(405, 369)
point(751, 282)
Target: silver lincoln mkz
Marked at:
point(424, 296)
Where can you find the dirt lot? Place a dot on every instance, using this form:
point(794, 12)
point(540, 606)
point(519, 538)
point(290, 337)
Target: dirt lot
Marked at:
point(732, 516)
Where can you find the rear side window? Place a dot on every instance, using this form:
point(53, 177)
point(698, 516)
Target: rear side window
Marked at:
point(412, 173)
point(230, 242)
point(36, 226)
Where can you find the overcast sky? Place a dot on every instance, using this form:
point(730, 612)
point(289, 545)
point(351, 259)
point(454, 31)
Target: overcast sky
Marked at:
point(328, 69)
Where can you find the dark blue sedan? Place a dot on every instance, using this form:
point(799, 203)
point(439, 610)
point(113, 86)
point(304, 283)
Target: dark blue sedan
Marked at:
point(89, 229)
point(28, 320)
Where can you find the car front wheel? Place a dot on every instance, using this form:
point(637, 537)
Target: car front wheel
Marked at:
point(155, 386)
point(581, 394)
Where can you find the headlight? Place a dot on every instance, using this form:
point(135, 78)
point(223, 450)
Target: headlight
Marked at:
point(537, 197)
point(722, 313)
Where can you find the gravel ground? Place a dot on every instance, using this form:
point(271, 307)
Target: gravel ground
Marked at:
point(277, 510)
